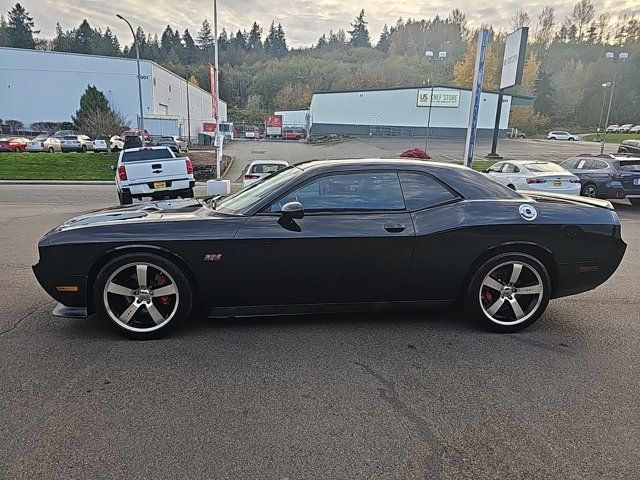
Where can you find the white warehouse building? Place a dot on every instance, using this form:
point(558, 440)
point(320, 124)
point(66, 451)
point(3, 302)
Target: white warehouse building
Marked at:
point(405, 111)
point(38, 85)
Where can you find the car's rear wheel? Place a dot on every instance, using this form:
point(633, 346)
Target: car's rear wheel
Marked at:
point(125, 198)
point(589, 190)
point(188, 193)
point(84, 149)
point(142, 295)
point(509, 292)
point(635, 201)
point(51, 149)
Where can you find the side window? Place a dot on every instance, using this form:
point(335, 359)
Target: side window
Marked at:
point(570, 164)
point(348, 192)
point(599, 165)
point(496, 167)
point(421, 191)
point(587, 165)
point(510, 168)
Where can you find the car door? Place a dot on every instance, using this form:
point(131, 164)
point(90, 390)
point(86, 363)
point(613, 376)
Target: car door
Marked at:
point(495, 172)
point(354, 244)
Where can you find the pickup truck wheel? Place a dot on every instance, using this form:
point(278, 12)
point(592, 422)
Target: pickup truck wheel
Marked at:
point(125, 198)
point(188, 193)
point(142, 295)
point(635, 201)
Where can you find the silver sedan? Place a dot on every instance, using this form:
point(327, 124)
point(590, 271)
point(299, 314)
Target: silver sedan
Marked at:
point(44, 143)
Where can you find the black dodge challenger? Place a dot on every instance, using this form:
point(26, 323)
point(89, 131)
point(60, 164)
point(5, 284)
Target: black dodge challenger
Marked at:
point(333, 236)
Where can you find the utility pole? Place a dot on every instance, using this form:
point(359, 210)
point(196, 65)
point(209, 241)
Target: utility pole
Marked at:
point(219, 138)
point(188, 110)
point(135, 41)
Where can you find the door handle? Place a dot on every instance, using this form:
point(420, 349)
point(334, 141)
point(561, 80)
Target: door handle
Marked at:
point(394, 227)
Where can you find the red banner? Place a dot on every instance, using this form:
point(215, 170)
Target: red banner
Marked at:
point(209, 127)
point(214, 92)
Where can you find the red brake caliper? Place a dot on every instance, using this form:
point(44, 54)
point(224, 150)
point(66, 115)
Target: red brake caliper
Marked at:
point(159, 281)
point(486, 295)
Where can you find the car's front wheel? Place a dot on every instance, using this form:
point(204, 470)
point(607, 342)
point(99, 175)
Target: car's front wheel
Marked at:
point(142, 295)
point(509, 292)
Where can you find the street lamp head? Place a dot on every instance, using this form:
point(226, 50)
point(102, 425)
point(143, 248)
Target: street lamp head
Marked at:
point(442, 55)
point(623, 56)
point(119, 16)
point(606, 84)
point(428, 54)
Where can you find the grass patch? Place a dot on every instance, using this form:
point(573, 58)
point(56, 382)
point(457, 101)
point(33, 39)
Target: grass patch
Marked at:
point(57, 166)
point(611, 137)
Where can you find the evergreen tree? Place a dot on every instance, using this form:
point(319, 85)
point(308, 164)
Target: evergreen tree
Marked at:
point(254, 41)
point(322, 41)
point(240, 41)
point(544, 91)
point(275, 44)
point(167, 42)
point(384, 42)
point(92, 100)
point(4, 36)
point(204, 37)
point(190, 48)
point(223, 40)
point(282, 42)
point(83, 38)
point(20, 28)
point(359, 33)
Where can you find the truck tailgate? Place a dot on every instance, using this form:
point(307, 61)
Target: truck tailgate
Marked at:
point(157, 170)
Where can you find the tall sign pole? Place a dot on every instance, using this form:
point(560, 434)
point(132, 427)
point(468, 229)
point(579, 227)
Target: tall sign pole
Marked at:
point(472, 128)
point(515, 51)
point(219, 138)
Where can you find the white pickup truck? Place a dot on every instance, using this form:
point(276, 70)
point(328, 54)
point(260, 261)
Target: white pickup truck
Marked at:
point(153, 172)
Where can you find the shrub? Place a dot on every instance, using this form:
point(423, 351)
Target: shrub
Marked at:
point(415, 152)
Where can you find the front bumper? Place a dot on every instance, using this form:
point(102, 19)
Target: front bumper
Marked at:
point(53, 279)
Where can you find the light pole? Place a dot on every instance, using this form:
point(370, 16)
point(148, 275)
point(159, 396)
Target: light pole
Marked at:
point(188, 109)
point(605, 85)
point(622, 57)
point(135, 41)
point(219, 137)
point(430, 58)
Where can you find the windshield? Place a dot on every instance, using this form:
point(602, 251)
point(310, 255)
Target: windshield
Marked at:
point(544, 167)
point(630, 166)
point(41, 137)
point(240, 201)
point(146, 154)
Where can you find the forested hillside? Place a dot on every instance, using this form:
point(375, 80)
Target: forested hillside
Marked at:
point(566, 63)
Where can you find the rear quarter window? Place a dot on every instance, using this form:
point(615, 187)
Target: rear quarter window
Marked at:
point(422, 191)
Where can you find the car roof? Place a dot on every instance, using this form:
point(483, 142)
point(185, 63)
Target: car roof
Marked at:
point(278, 162)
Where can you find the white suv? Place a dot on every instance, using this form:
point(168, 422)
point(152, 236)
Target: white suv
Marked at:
point(560, 135)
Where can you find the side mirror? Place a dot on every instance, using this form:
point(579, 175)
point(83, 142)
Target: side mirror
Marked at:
point(486, 170)
point(112, 167)
point(292, 211)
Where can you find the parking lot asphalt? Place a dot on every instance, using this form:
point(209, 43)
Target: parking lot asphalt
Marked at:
point(393, 395)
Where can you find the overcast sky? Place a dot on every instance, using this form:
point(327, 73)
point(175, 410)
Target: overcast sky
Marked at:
point(303, 20)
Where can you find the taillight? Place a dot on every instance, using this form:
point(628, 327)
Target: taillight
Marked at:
point(617, 176)
point(536, 180)
point(251, 177)
point(122, 173)
point(189, 167)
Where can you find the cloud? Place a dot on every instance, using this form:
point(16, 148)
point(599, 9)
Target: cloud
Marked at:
point(304, 21)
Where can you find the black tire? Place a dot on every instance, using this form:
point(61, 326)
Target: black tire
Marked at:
point(51, 149)
point(187, 193)
point(512, 187)
point(125, 198)
point(589, 190)
point(635, 201)
point(552, 138)
point(159, 272)
point(481, 298)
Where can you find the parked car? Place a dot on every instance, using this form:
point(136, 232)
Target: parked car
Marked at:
point(14, 144)
point(251, 132)
point(134, 132)
point(520, 134)
point(561, 135)
point(76, 143)
point(625, 128)
point(260, 169)
point(635, 129)
point(44, 143)
point(535, 175)
point(63, 133)
point(175, 143)
point(630, 147)
point(607, 176)
point(153, 172)
point(104, 144)
point(134, 141)
point(289, 133)
point(613, 128)
point(334, 235)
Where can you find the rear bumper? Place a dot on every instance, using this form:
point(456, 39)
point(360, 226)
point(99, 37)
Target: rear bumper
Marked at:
point(73, 149)
point(146, 189)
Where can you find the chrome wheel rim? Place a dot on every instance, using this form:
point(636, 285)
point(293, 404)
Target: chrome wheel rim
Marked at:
point(511, 293)
point(590, 192)
point(141, 297)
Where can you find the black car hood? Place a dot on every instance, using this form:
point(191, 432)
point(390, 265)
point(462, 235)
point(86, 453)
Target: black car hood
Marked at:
point(163, 210)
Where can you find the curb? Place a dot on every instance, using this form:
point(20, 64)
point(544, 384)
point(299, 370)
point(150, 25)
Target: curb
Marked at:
point(226, 170)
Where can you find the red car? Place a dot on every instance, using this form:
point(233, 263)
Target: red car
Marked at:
point(13, 144)
point(293, 134)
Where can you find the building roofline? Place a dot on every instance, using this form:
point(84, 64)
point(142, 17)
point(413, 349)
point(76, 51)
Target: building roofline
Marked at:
point(142, 60)
point(416, 87)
